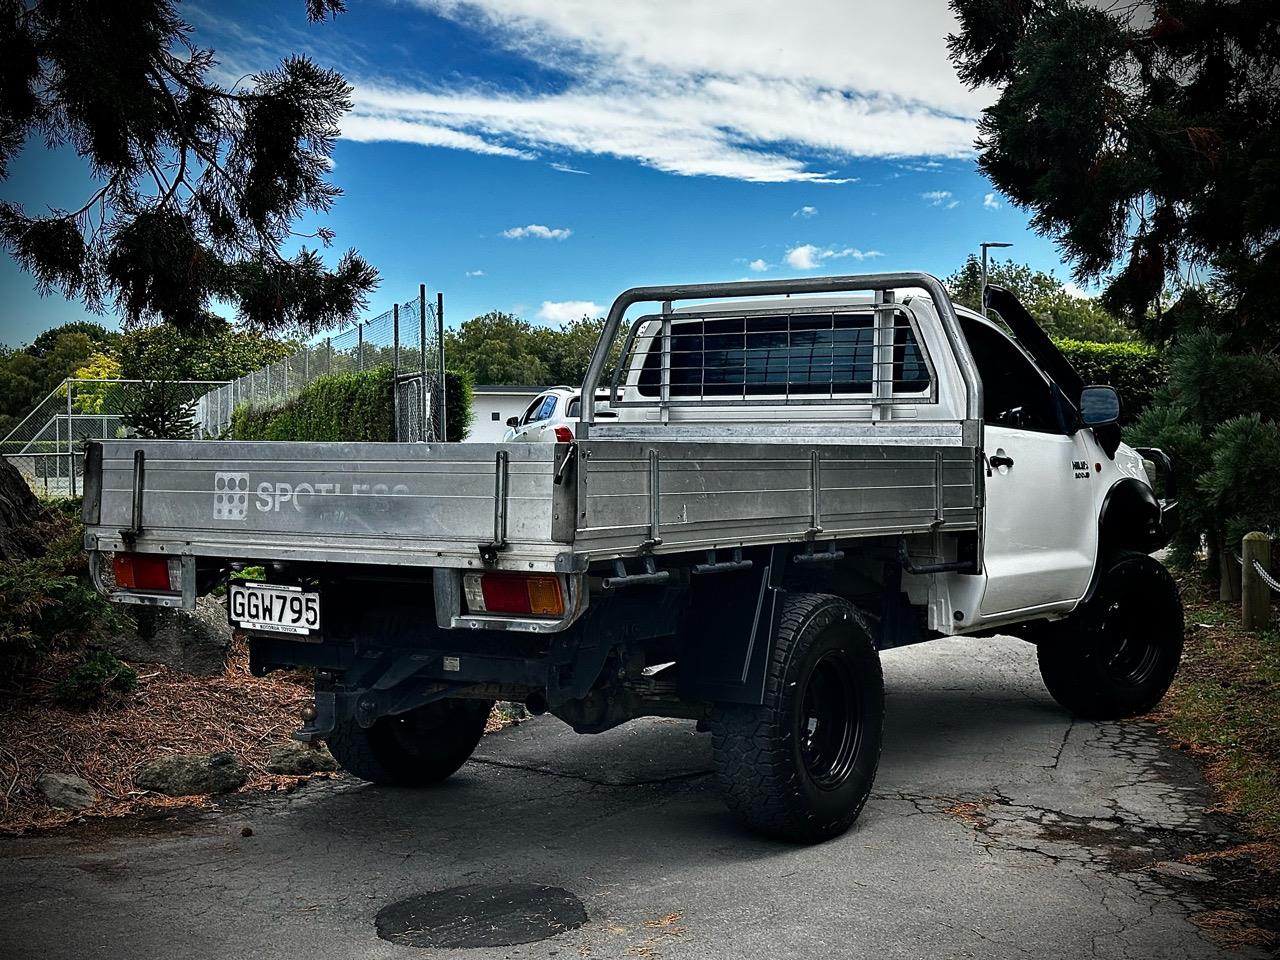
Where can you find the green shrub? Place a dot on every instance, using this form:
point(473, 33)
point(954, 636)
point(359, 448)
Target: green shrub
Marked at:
point(1135, 370)
point(1217, 418)
point(344, 406)
point(457, 399)
point(1241, 483)
point(98, 677)
point(47, 603)
point(347, 406)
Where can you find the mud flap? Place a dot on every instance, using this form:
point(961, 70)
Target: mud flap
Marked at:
point(730, 631)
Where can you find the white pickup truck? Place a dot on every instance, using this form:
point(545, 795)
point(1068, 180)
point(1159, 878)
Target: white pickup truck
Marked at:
point(786, 486)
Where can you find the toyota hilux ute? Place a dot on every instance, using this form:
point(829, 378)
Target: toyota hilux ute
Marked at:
point(796, 475)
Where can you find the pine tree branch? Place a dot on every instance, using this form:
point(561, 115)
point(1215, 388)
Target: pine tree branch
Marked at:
point(99, 194)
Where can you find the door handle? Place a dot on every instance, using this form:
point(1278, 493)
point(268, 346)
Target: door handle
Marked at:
point(999, 461)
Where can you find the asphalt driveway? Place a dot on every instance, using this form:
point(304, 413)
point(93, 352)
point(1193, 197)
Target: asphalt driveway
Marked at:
point(997, 828)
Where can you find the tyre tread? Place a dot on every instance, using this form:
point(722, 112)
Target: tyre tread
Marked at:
point(753, 761)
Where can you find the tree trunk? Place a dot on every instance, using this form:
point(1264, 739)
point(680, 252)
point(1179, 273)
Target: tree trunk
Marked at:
point(1228, 571)
point(21, 517)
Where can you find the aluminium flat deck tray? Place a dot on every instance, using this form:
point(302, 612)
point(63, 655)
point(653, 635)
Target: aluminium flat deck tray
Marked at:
point(434, 504)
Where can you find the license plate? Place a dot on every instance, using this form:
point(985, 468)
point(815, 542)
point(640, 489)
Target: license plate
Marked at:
point(273, 607)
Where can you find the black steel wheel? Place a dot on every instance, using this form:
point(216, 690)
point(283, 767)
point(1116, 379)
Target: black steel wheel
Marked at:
point(830, 720)
point(1117, 656)
point(800, 767)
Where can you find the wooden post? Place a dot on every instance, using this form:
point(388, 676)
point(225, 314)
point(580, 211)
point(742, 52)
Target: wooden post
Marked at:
point(1255, 595)
point(1228, 572)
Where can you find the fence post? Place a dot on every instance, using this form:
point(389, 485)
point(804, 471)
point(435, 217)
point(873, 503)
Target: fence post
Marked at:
point(444, 387)
point(71, 456)
point(1255, 606)
point(422, 354)
point(328, 356)
point(359, 347)
point(395, 339)
point(395, 367)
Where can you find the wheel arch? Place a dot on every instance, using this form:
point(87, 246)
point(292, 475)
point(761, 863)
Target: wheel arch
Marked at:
point(1129, 519)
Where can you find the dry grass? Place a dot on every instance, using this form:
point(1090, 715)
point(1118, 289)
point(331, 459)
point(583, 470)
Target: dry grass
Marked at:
point(168, 713)
point(1265, 855)
point(1233, 928)
point(1224, 707)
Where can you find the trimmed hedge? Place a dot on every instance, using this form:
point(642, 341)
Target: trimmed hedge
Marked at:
point(344, 406)
point(1134, 369)
point(457, 399)
point(347, 406)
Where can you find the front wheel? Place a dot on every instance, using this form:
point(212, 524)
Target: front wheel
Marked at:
point(412, 749)
point(1117, 656)
point(800, 767)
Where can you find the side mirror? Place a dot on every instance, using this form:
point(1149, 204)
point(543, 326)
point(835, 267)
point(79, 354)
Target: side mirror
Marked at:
point(513, 421)
point(1099, 406)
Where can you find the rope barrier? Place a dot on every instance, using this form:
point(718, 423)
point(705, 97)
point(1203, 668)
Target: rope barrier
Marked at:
point(1261, 571)
point(1265, 577)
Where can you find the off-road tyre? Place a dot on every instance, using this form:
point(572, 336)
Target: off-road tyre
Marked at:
point(414, 749)
point(1117, 656)
point(800, 766)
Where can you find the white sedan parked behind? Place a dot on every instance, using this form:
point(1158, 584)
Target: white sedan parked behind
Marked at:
point(552, 417)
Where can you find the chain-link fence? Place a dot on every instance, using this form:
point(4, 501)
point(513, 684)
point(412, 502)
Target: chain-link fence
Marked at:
point(47, 445)
point(400, 338)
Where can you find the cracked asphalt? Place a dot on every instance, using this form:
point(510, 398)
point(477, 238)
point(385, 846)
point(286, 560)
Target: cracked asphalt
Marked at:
point(998, 828)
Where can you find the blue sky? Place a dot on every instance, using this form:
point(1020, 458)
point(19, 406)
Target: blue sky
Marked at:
point(539, 156)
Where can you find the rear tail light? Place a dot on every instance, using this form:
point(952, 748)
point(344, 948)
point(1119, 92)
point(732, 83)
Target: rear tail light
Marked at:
point(537, 595)
point(147, 571)
point(564, 435)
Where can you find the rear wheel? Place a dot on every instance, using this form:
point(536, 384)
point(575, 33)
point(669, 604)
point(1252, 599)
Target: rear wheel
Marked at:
point(800, 767)
point(412, 749)
point(1117, 656)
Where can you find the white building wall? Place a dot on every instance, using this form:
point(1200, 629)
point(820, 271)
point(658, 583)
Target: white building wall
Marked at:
point(492, 405)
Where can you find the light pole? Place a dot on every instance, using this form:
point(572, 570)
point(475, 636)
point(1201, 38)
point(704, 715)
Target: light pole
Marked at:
point(982, 294)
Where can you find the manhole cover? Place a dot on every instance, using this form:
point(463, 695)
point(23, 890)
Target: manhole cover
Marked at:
point(481, 915)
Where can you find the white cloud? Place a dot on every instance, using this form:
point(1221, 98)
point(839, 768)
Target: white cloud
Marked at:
point(806, 212)
point(990, 202)
point(565, 168)
point(656, 83)
point(807, 256)
point(759, 266)
point(936, 198)
point(537, 230)
point(475, 273)
point(373, 128)
point(564, 311)
point(1077, 291)
point(928, 166)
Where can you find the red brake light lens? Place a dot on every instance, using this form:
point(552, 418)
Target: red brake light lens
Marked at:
point(142, 571)
point(564, 435)
point(514, 593)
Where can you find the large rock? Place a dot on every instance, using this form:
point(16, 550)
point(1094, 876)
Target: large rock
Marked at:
point(194, 642)
point(66, 791)
point(191, 774)
point(300, 759)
